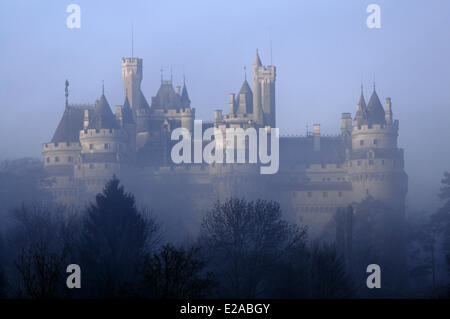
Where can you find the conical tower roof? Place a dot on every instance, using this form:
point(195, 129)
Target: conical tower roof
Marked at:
point(361, 109)
point(245, 88)
point(185, 101)
point(257, 61)
point(69, 126)
point(102, 116)
point(127, 113)
point(375, 111)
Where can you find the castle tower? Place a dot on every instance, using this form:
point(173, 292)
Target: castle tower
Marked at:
point(124, 115)
point(103, 147)
point(264, 93)
point(132, 78)
point(62, 152)
point(376, 164)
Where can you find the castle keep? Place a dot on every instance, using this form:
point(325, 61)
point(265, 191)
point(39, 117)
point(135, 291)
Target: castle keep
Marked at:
point(317, 174)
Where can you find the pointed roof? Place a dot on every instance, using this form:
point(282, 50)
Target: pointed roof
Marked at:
point(245, 88)
point(361, 109)
point(185, 101)
point(102, 116)
point(375, 111)
point(70, 125)
point(166, 97)
point(127, 113)
point(257, 59)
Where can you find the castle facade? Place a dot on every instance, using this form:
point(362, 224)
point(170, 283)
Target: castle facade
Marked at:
point(317, 174)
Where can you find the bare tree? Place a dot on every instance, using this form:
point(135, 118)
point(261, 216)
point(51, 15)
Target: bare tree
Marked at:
point(242, 239)
point(177, 273)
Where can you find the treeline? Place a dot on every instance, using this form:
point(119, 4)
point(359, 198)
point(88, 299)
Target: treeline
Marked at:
point(244, 250)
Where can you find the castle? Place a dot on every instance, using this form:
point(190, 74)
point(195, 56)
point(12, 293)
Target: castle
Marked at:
point(317, 174)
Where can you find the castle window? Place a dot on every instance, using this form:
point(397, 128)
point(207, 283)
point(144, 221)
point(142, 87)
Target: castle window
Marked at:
point(309, 194)
point(48, 159)
point(370, 162)
point(70, 159)
point(340, 194)
point(325, 194)
point(324, 165)
point(91, 146)
point(375, 142)
point(382, 162)
point(359, 163)
point(338, 165)
point(91, 166)
point(57, 159)
point(106, 146)
point(361, 142)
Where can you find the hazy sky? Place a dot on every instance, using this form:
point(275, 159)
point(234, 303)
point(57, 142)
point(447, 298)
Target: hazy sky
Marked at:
point(322, 50)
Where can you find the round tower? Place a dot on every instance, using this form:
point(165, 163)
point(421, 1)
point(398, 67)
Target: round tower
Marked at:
point(375, 163)
point(103, 147)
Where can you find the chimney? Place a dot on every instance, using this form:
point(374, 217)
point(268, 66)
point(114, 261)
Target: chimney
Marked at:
point(346, 123)
point(316, 137)
point(86, 119)
point(217, 115)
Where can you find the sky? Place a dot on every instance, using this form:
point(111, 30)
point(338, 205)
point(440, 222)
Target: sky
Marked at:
point(323, 51)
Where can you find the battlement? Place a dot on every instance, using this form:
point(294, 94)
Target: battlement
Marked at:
point(100, 133)
point(132, 61)
point(375, 127)
point(180, 112)
point(64, 146)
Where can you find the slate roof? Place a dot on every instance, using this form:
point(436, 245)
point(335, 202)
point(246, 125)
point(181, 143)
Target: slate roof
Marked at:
point(70, 125)
point(102, 117)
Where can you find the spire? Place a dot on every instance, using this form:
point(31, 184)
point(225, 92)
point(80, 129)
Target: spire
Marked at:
point(102, 117)
point(67, 93)
point(126, 111)
point(375, 111)
point(245, 73)
point(257, 61)
point(361, 109)
point(103, 87)
point(185, 101)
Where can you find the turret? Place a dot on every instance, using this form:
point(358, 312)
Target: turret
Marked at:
point(132, 78)
point(62, 152)
point(388, 116)
point(104, 146)
point(264, 93)
point(375, 163)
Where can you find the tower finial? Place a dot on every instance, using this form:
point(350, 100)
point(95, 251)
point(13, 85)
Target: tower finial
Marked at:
point(161, 75)
point(374, 82)
point(67, 93)
point(132, 39)
point(171, 75)
point(103, 87)
point(245, 73)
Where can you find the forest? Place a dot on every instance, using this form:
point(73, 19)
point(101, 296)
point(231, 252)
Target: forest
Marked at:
point(243, 249)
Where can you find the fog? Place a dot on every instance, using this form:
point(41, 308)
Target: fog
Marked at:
point(322, 49)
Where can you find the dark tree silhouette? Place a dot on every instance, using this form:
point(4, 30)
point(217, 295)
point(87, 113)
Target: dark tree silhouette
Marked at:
point(242, 239)
point(379, 238)
point(176, 273)
point(42, 272)
point(39, 246)
point(114, 239)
